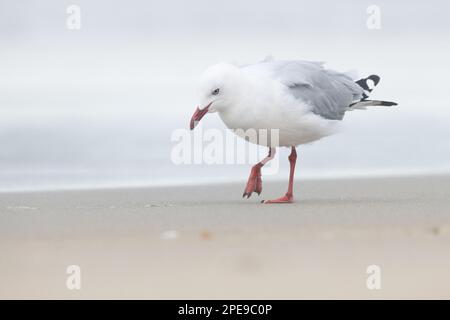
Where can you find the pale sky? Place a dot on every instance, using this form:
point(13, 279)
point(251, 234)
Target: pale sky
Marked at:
point(129, 75)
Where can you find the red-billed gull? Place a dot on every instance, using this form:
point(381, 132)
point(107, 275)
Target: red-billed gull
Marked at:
point(302, 100)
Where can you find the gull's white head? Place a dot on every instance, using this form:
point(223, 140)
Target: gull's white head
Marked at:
point(219, 87)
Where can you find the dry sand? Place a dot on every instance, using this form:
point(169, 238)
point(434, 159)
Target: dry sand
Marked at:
point(206, 242)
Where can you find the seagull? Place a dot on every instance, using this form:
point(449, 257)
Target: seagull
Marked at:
point(301, 100)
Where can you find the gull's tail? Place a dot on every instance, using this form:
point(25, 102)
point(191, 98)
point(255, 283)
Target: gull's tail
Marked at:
point(368, 84)
point(367, 103)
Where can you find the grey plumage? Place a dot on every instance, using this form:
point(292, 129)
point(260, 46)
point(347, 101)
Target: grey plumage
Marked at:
point(329, 93)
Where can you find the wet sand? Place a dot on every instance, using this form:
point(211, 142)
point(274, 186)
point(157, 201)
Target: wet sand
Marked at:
point(206, 242)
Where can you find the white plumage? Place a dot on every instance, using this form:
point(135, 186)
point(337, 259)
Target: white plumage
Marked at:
point(301, 99)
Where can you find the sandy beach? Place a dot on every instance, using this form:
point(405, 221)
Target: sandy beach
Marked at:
point(206, 242)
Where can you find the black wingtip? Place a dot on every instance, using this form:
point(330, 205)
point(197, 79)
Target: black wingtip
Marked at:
point(388, 103)
point(375, 78)
point(363, 82)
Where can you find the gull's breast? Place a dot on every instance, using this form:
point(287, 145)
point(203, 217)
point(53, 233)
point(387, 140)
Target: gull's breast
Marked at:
point(276, 125)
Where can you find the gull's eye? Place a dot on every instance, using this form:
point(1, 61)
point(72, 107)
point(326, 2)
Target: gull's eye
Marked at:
point(215, 92)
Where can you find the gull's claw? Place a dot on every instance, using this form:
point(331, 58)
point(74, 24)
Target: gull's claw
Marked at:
point(288, 198)
point(254, 183)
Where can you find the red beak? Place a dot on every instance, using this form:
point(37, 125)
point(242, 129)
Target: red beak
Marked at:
point(198, 115)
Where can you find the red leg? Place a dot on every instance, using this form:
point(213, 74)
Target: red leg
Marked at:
point(288, 197)
point(254, 183)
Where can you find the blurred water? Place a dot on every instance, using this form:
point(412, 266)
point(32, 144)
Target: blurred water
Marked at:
point(134, 149)
point(96, 107)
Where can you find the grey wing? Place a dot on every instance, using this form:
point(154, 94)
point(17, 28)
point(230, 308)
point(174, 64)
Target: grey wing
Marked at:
point(327, 92)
